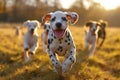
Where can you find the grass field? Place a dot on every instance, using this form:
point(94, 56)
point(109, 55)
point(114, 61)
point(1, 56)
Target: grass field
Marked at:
point(104, 65)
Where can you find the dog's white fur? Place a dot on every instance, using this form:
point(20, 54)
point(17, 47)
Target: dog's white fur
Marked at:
point(30, 39)
point(91, 36)
point(60, 42)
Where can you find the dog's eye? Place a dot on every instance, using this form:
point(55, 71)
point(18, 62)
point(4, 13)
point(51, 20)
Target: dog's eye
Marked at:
point(64, 19)
point(53, 19)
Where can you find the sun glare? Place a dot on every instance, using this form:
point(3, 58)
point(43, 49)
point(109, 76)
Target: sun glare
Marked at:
point(109, 4)
point(67, 3)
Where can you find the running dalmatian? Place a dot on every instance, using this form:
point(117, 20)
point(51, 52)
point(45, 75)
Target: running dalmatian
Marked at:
point(59, 39)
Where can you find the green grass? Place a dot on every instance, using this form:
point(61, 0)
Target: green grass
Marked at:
point(104, 65)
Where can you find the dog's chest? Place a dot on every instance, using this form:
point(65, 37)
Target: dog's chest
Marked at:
point(60, 46)
point(91, 38)
point(32, 40)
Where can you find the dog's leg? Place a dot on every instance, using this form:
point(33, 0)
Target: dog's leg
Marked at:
point(33, 49)
point(55, 62)
point(69, 60)
point(86, 45)
point(26, 55)
point(92, 49)
point(102, 42)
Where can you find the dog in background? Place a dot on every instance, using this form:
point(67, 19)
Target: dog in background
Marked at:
point(59, 39)
point(102, 31)
point(30, 39)
point(18, 31)
point(91, 30)
point(44, 36)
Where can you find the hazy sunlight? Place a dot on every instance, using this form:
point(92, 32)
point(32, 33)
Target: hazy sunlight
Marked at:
point(67, 3)
point(109, 4)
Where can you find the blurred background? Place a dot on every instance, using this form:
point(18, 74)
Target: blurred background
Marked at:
point(21, 10)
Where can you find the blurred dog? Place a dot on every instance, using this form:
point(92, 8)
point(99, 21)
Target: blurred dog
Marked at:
point(30, 39)
point(18, 31)
point(59, 40)
point(102, 32)
point(91, 36)
point(44, 37)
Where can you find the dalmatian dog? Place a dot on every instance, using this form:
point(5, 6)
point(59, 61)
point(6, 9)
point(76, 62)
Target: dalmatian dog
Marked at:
point(30, 39)
point(91, 36)
point(102, 32)
point(44, 36)
point(59, 40)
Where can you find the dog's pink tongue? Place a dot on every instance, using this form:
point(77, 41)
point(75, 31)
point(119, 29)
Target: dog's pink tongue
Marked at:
point(59, 33)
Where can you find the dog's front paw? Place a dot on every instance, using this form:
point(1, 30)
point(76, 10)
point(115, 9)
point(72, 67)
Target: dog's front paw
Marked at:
point(58, 68)
point(27, 58)
point(65, 68)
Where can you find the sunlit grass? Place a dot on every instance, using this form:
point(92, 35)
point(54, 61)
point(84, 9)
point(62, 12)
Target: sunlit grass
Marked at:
point(105, 64)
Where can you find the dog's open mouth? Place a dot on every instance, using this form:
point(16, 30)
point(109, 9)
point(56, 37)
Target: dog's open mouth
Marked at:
point(93, 33)
point(32, 32)
point(59, 33)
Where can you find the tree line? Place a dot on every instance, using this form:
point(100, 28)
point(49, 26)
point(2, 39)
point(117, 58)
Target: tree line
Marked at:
point(21, 10)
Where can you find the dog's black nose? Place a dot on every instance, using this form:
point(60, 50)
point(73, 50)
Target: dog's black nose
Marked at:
point(58, 25)
point(94, 30)
point(32, 30)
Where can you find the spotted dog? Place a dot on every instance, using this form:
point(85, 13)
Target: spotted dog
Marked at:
point(44, 37)
point(30, 39)
point(60, 41)
point(91, 36)
point(102, 32)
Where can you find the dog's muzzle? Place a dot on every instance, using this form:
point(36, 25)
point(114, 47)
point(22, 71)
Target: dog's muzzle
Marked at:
point(93, 32)
point(32, 31)
point(59, 32)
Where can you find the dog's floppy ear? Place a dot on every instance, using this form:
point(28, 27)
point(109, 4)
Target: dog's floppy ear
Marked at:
point(46, 18)
point(98, 24)
point(38, 23)
point(26, 23)
point(72, 16)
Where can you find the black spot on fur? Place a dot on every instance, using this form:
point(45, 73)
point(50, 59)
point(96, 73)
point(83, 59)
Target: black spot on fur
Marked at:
point(68, 43)
point(50, 56)
point(47, 30)
point(54, 37)
point(56, 63)
point(71, 60)
point(49, 41)
point(53, 60)
point(70, 51)
point(69, 39)
point(60, 48)
point(51, 34)
point(65, 40)
point(67, 35)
